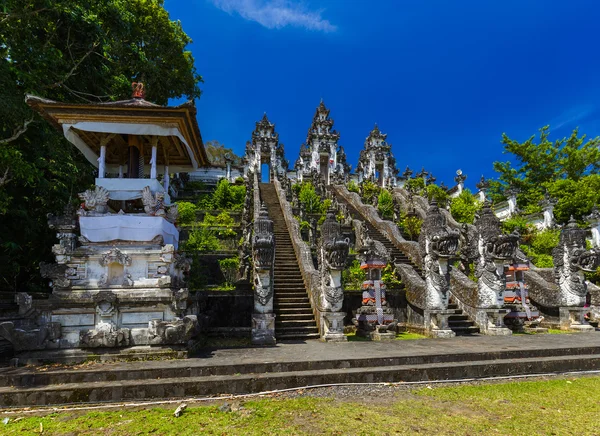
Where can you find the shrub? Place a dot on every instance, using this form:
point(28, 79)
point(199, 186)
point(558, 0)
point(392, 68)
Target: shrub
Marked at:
point(390, 278)
point(224, 221)
point(369, 191)
point(434, 192)
point(464, 207)
point(311, 202)
point(228, 196)
point(411, 226)
point(353, 276)
point(229, 268)
point(353, 187)
point(187, 212)
point(385, 204)
point(202, 239)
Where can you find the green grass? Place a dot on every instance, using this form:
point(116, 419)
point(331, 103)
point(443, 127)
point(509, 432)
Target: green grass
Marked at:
point(555, 407)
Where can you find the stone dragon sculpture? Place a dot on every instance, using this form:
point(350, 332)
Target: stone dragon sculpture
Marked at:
point(493, 250)
point(332, 254)
point(95, 200)
point(571, 260)
point(438, 244)
point(263, 255)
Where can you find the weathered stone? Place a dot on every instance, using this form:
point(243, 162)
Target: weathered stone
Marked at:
point(178, 331)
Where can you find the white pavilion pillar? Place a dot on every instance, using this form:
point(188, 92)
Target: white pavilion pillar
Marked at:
point(153, 160)
point(166, 179)
point(102, 162)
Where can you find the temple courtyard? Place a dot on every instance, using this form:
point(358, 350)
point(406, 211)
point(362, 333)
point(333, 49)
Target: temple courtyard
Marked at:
point(467, 385)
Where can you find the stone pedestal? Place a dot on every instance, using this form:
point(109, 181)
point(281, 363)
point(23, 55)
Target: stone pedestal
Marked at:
point(573, 318)
point(383, 333)
point(263, 329)
point(436, 323)
point(491, 322)
point(332, 327)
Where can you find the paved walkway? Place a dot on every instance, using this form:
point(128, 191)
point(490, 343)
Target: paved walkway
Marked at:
point(318, 351)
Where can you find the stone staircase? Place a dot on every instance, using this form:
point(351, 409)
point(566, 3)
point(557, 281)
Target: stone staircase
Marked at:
point(294, 318)
point(458, 323)
point(397, 255)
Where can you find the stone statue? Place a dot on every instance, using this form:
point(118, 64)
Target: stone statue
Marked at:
point(153, 204)
point(95, 200)
point(332, 251)
point(494, 250)
point(571, 260)
point(439, 244)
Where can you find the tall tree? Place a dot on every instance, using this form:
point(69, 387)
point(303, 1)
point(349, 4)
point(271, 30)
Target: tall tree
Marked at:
point(218, 154)
point(545, 166)
point(76, 51)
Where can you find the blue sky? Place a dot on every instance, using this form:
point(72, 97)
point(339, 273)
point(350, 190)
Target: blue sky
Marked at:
point(444, 79)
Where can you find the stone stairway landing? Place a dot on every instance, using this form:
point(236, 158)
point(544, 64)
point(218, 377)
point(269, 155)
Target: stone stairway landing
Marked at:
point(294, 318)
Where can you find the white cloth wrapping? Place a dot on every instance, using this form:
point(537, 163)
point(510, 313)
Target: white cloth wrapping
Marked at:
point(131, 189)
point(128, 228)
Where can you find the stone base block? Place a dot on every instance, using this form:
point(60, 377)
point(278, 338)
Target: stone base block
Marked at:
point(381, 335)
point(263, 329)
point(491, 322)
point(438, 333)
point(332, 327)
point(573, 318)
point(436, 323)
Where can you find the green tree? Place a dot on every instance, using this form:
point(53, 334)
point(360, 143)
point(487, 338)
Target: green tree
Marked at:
point(72, 51)
point(218, 154)
point(385, 204)
point(310, 200)
point(228, 196)
point(537, 164)
point(464, 207)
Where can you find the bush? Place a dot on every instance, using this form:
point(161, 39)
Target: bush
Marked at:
point(353, 187)
point(390, 278)
point(228, 196)
point(369, 191)
point(464, 207)
point(202, 240)
point(434, 192)
point(229, 268)
point(385, 204)
point(310, 201)
point(223, 220)
point(187, 212)
point(353, 276)
point(410, 225)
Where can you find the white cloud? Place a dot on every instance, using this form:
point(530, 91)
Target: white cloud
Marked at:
point(276, 14)
point(572, 116)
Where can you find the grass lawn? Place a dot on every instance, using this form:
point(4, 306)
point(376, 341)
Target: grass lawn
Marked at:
point(554, 407)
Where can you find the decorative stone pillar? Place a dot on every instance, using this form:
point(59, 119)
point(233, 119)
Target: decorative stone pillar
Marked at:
point(494, 250)
point(482, 186)
point(263, 253)
point(511, 194)
point(571, 260)
point(548, 204)
point(460, 181)
point(439, 245)
point(333, 252)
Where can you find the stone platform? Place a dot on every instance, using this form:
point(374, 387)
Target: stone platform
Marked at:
point(288, 365)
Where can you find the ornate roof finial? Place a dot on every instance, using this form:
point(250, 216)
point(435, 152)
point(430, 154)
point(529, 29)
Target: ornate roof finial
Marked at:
point(137, 90)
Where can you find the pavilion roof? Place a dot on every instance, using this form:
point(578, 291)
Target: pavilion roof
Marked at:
point(88, 126)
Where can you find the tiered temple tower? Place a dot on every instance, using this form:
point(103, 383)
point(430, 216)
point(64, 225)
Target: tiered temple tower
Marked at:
point(265, 148)
point(376, 161)
point(321, 153)
point(118, 279)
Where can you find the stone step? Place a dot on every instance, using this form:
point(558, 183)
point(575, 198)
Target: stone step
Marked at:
point(281, 299)
point(461, 331)
point(78, 387)
point(458, 318)
point(297, 336)
point(295, 317)
point(462, 323)
point(295, 306)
